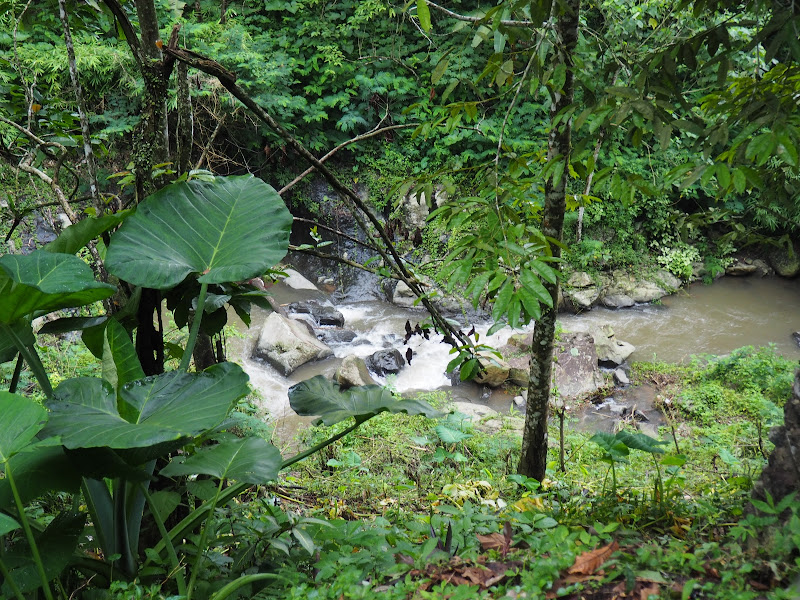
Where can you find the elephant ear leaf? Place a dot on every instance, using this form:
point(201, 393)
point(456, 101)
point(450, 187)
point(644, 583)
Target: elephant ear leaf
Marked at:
point(248, 460)
point(22, 420)
point(43, 281)
point(324, 398)
point(228, 229)
point(152, 416)
point(120, 363)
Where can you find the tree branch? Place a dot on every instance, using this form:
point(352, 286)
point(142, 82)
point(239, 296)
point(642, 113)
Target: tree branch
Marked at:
point(371, 133)
point(471, 19)
point(228, 80)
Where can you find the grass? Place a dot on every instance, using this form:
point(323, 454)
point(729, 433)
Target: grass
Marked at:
point(414, 508)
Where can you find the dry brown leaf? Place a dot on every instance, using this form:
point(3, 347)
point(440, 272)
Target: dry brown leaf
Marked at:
point(651, 590)
point(588, 562)
point(493, 541)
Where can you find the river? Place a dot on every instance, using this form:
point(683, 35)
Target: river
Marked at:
point(699, 319)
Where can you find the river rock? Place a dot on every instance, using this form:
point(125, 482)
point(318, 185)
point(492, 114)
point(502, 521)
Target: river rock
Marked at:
point(336, 336)
point(575, 368)
point(621, 377)
point(296, 281)
point(286, 344)
point(667, 280)
point(646, 291)
point(618, 301)
point(353, 372)
point(796, 337)
point(403, 296)
point(321, 313)
point(782, 475)
point(610, 350)
point(785, 261)
point(386, 362)
point(740, 268)
point(580, 299)
point(580, 279)
point(473, 411)
point(494, 370)
point(762, 268)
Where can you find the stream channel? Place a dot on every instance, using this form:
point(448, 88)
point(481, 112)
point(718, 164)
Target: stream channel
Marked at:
point(698, 319)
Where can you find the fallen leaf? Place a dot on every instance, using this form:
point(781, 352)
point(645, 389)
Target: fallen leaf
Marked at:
point(588, 562)
point(652, 590)
point(493, 541)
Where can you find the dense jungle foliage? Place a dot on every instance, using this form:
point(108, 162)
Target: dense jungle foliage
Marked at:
point(662, 134)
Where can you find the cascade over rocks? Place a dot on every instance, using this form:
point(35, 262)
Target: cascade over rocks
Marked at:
point(321, 314)
point(781, 476)
point(286, 344)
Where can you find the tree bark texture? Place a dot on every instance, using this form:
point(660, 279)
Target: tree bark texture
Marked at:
point(533, 459)
point(184, 132)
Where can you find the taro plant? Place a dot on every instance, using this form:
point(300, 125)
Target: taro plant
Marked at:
point(617, 447)
point(102, 439)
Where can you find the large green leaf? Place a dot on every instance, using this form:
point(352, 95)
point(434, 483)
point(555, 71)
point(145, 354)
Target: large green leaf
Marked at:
point(42, 281)
point(248, 460)
point(8, 350)
point(231, 229)
point(7, 524)
point(22, 419)
point(56, 545)
point(324, 398)
point(76, 236)
point(120, 363)
point(163, 409)
point(39, 469)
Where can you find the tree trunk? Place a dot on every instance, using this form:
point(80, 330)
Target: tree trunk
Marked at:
point(184, 131)
point(150, 141)
point(533, 461)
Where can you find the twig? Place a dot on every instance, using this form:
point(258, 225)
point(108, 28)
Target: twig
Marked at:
point(228, 80)
point(377, 130)
point(471, 19)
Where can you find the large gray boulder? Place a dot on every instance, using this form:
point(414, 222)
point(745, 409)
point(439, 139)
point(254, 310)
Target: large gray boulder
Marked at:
point(386, 362)
point(580, 299)
point(785, 261)
point(494, 370)
point(353, 372)
point(286, 344)
point(322, 314)
point(576, 369)
point(296, 281)
point(610, 350)
point(403, 296)
point(781, 476)
point(646, 291)
point(617, 301)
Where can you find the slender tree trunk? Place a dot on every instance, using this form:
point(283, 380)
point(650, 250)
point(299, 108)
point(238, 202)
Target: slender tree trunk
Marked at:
point(150, 145)
point(533, 461)
point(185, 129)
point(84, 119)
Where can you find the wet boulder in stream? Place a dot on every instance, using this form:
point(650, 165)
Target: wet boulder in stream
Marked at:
point(386, 362)
point(321, 314)
point(353, 372)
point(286, 344)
